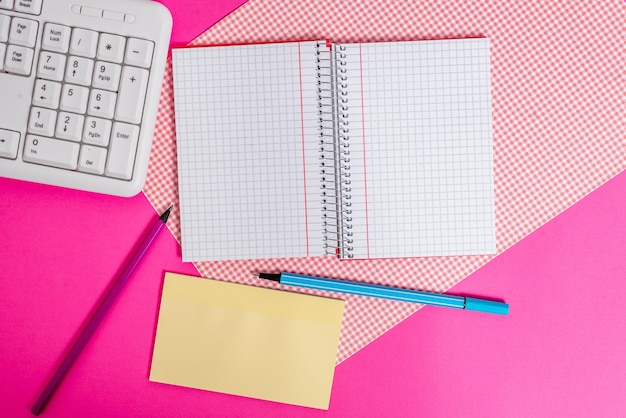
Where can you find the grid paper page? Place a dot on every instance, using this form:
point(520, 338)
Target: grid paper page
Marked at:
point(421, 148)
point(248, 182)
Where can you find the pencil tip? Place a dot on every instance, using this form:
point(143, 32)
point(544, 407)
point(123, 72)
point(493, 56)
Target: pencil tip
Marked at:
point(166, 214)
point(257, 274)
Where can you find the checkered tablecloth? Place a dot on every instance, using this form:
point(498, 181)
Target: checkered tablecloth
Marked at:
point(559, 120)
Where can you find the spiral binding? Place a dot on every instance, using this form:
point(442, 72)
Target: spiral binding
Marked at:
point(334, 142)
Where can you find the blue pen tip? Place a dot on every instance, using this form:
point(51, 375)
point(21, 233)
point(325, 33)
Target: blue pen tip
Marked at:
point(488, 306)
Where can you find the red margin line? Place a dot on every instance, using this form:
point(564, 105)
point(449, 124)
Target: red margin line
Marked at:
point(367, 223)
point(306, 212)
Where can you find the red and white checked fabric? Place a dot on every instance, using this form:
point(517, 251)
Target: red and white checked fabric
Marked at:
point(559, 119)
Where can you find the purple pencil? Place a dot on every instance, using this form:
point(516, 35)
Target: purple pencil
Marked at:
point(97, 317)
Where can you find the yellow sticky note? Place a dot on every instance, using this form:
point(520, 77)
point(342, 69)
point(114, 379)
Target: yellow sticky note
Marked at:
point(246, 340)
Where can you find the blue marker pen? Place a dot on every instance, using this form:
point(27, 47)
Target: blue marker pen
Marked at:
point(387, 292)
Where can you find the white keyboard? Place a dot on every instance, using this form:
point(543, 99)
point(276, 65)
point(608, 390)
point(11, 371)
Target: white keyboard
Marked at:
point(80, 82)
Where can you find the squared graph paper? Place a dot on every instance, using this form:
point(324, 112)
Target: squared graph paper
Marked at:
point(243, 118)
point(421, 157)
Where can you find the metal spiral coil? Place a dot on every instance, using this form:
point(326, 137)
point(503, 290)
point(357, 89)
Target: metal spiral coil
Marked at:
point(334, 149)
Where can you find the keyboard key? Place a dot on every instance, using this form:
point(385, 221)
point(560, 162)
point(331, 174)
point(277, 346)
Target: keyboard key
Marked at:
point(84, 42)
point(51, 66)
point(139, 52)
point(74, 98)
point(47, 94)
point(3, 49)
point(90, 11)
point(111, 48)
point(102, 103)
point(28, 6)
point(18, 60)
point(52, 152)
point(92, 159)
point(5, 24)
point(56, 38)
point(6, 4)
point(23, 32)
point(106, 76)
point(122, 151)
point(117, 16)
point(9, 141)
point(79, 71)
point(42, 121)
point(70, 126)
point(132, 94)
point(97, 131)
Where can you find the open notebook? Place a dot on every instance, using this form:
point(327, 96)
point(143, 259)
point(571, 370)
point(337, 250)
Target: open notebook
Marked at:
point(356, 150)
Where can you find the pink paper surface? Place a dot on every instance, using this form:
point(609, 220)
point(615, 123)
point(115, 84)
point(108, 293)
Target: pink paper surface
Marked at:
point(192, 17)
point(560, 351)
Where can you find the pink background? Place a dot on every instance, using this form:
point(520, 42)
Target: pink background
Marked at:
point(560, 352)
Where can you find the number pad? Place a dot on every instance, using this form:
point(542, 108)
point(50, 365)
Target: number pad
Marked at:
point(88, 98)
